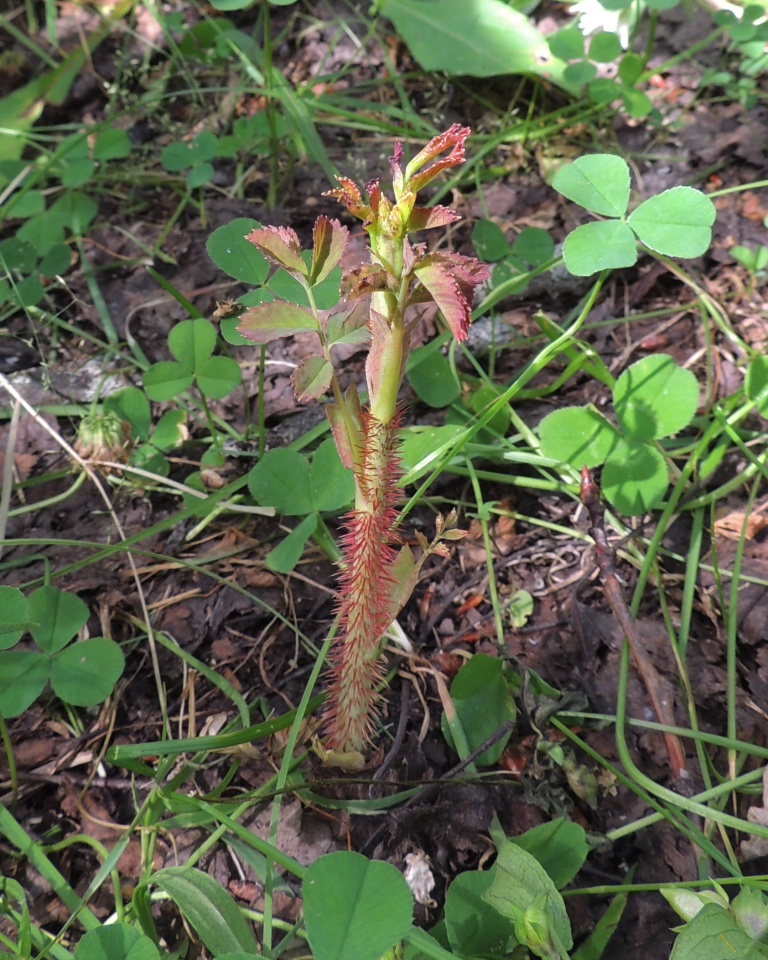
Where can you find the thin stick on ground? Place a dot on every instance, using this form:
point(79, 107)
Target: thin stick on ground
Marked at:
point(590, 497)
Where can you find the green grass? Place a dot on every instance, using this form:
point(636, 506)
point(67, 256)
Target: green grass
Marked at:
point(65, 199)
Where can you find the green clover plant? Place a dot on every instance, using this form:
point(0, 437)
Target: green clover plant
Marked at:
point(652, 399)
point(357, 909)
point(82, 673)
point(297, 487)
point(675, 223)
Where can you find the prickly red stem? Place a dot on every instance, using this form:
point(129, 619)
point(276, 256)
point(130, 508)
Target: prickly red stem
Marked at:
point(365, 587)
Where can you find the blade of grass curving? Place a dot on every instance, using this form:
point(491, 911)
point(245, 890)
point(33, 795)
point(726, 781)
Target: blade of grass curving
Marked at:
point(538, 363)
point(97, 297)
point(662, 706)
point(676, 641)
point(594, 946)
point(282, 778)
point(731, 613)
point(32, 851)
point(6, 483)
point(294, 108)
point(218, 743)
point(483, 514)
point(212, 676)
point(671, 814)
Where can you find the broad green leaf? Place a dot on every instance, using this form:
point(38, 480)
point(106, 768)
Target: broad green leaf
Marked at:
point(756, 384)
point(676, 223)
point(281, 479)
point(176, 157)
point(489, 241)
point(192, 342)
point(73, 210)
point(481, 399)
point(523, 891)
point(487, 39)
point(567, 44)
point(604, 90)
point(77, 172)
point(631, 68)
point(166, 380)
point(268, 321)
point(58, 616)
point(603, 245)
point(23, 676)
point(534, 246)
point(431, 375)
point(284, 557)
point(598, 182)
point(355, 908)
point(111, 144)
point(233, 254)
point(655, 398)
point(85, 673)
point(200, 174)
point(311, 378)
point(559, 845)
point(117, 941)
point(332, 485)
point(714, 935)
point(14, 616)
point(421, 447)
point(170, 430)
point(131, 405)
point(41, 233)
point(605, 47)
point(208, 908)
point(579, 436)
point(218, 376)
point(56, 260)
point(286, 287)
point(635, 477)
point(483, 703)
point(23, 204)
point(581, 72)
point(18, 254)
point(637, 103)
point(473, 926)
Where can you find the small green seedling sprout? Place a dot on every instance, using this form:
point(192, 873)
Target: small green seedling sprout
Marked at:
point(653, 399)
point(755, 262)
point(82, 673)
point(675, 223)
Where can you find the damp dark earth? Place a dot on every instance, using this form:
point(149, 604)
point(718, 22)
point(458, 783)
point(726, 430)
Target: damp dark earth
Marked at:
point(384, 499)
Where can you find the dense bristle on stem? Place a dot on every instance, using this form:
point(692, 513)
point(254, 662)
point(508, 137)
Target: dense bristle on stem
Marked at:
point(365, 586)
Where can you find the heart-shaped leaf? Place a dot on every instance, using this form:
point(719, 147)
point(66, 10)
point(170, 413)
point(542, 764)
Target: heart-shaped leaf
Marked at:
point(355, 908)
point(676, 223)
point(599, 182)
